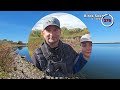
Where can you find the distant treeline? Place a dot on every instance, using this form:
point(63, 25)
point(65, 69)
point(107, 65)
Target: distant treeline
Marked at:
point(65, 32)
point(12, 42)
point(108, 43)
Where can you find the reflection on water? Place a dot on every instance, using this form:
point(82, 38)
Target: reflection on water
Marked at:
point(23, 51)
point(20, 48)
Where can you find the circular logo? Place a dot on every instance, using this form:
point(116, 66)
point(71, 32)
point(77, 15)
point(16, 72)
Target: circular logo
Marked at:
point(107, 20)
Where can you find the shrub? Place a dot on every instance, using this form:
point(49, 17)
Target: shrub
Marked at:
point(6, 58)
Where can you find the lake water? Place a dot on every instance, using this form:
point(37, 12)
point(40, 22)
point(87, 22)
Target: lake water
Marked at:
point(104, 62)
point(23, 51)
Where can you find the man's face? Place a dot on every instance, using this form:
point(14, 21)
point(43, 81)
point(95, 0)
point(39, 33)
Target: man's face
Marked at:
point(86, 48)
point(52, 34)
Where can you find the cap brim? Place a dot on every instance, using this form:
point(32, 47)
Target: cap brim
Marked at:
point(85, 40)
point(51, 25)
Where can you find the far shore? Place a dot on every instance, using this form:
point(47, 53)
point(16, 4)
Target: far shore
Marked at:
point(106, 43)
point(17, 45)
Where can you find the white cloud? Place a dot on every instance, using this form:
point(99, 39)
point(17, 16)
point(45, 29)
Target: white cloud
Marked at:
point(66, 20)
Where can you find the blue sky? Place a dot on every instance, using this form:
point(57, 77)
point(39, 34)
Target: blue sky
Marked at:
point(17, 25)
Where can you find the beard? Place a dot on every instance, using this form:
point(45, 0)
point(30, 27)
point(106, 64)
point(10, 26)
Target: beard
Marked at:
point(53, 42)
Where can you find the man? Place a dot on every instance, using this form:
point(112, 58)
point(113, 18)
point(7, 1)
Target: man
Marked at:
point(53, 56)
point(86, 47)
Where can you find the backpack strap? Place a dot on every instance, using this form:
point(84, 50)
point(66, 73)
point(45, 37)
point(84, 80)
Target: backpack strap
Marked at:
point(41, 59)
point(45, 52)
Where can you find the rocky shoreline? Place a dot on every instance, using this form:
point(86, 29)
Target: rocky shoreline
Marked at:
point(22, 69)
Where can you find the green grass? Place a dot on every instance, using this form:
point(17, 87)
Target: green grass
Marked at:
point(34, 43)
point(3, 75)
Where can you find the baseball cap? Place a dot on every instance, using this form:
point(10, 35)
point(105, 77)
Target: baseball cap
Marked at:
point(51, 21)
point(85, 37)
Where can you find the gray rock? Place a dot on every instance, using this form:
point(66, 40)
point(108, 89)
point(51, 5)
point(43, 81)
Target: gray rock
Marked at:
point(22, 69)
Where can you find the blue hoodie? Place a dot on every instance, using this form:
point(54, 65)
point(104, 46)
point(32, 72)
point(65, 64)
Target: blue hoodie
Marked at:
point(79, 63)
